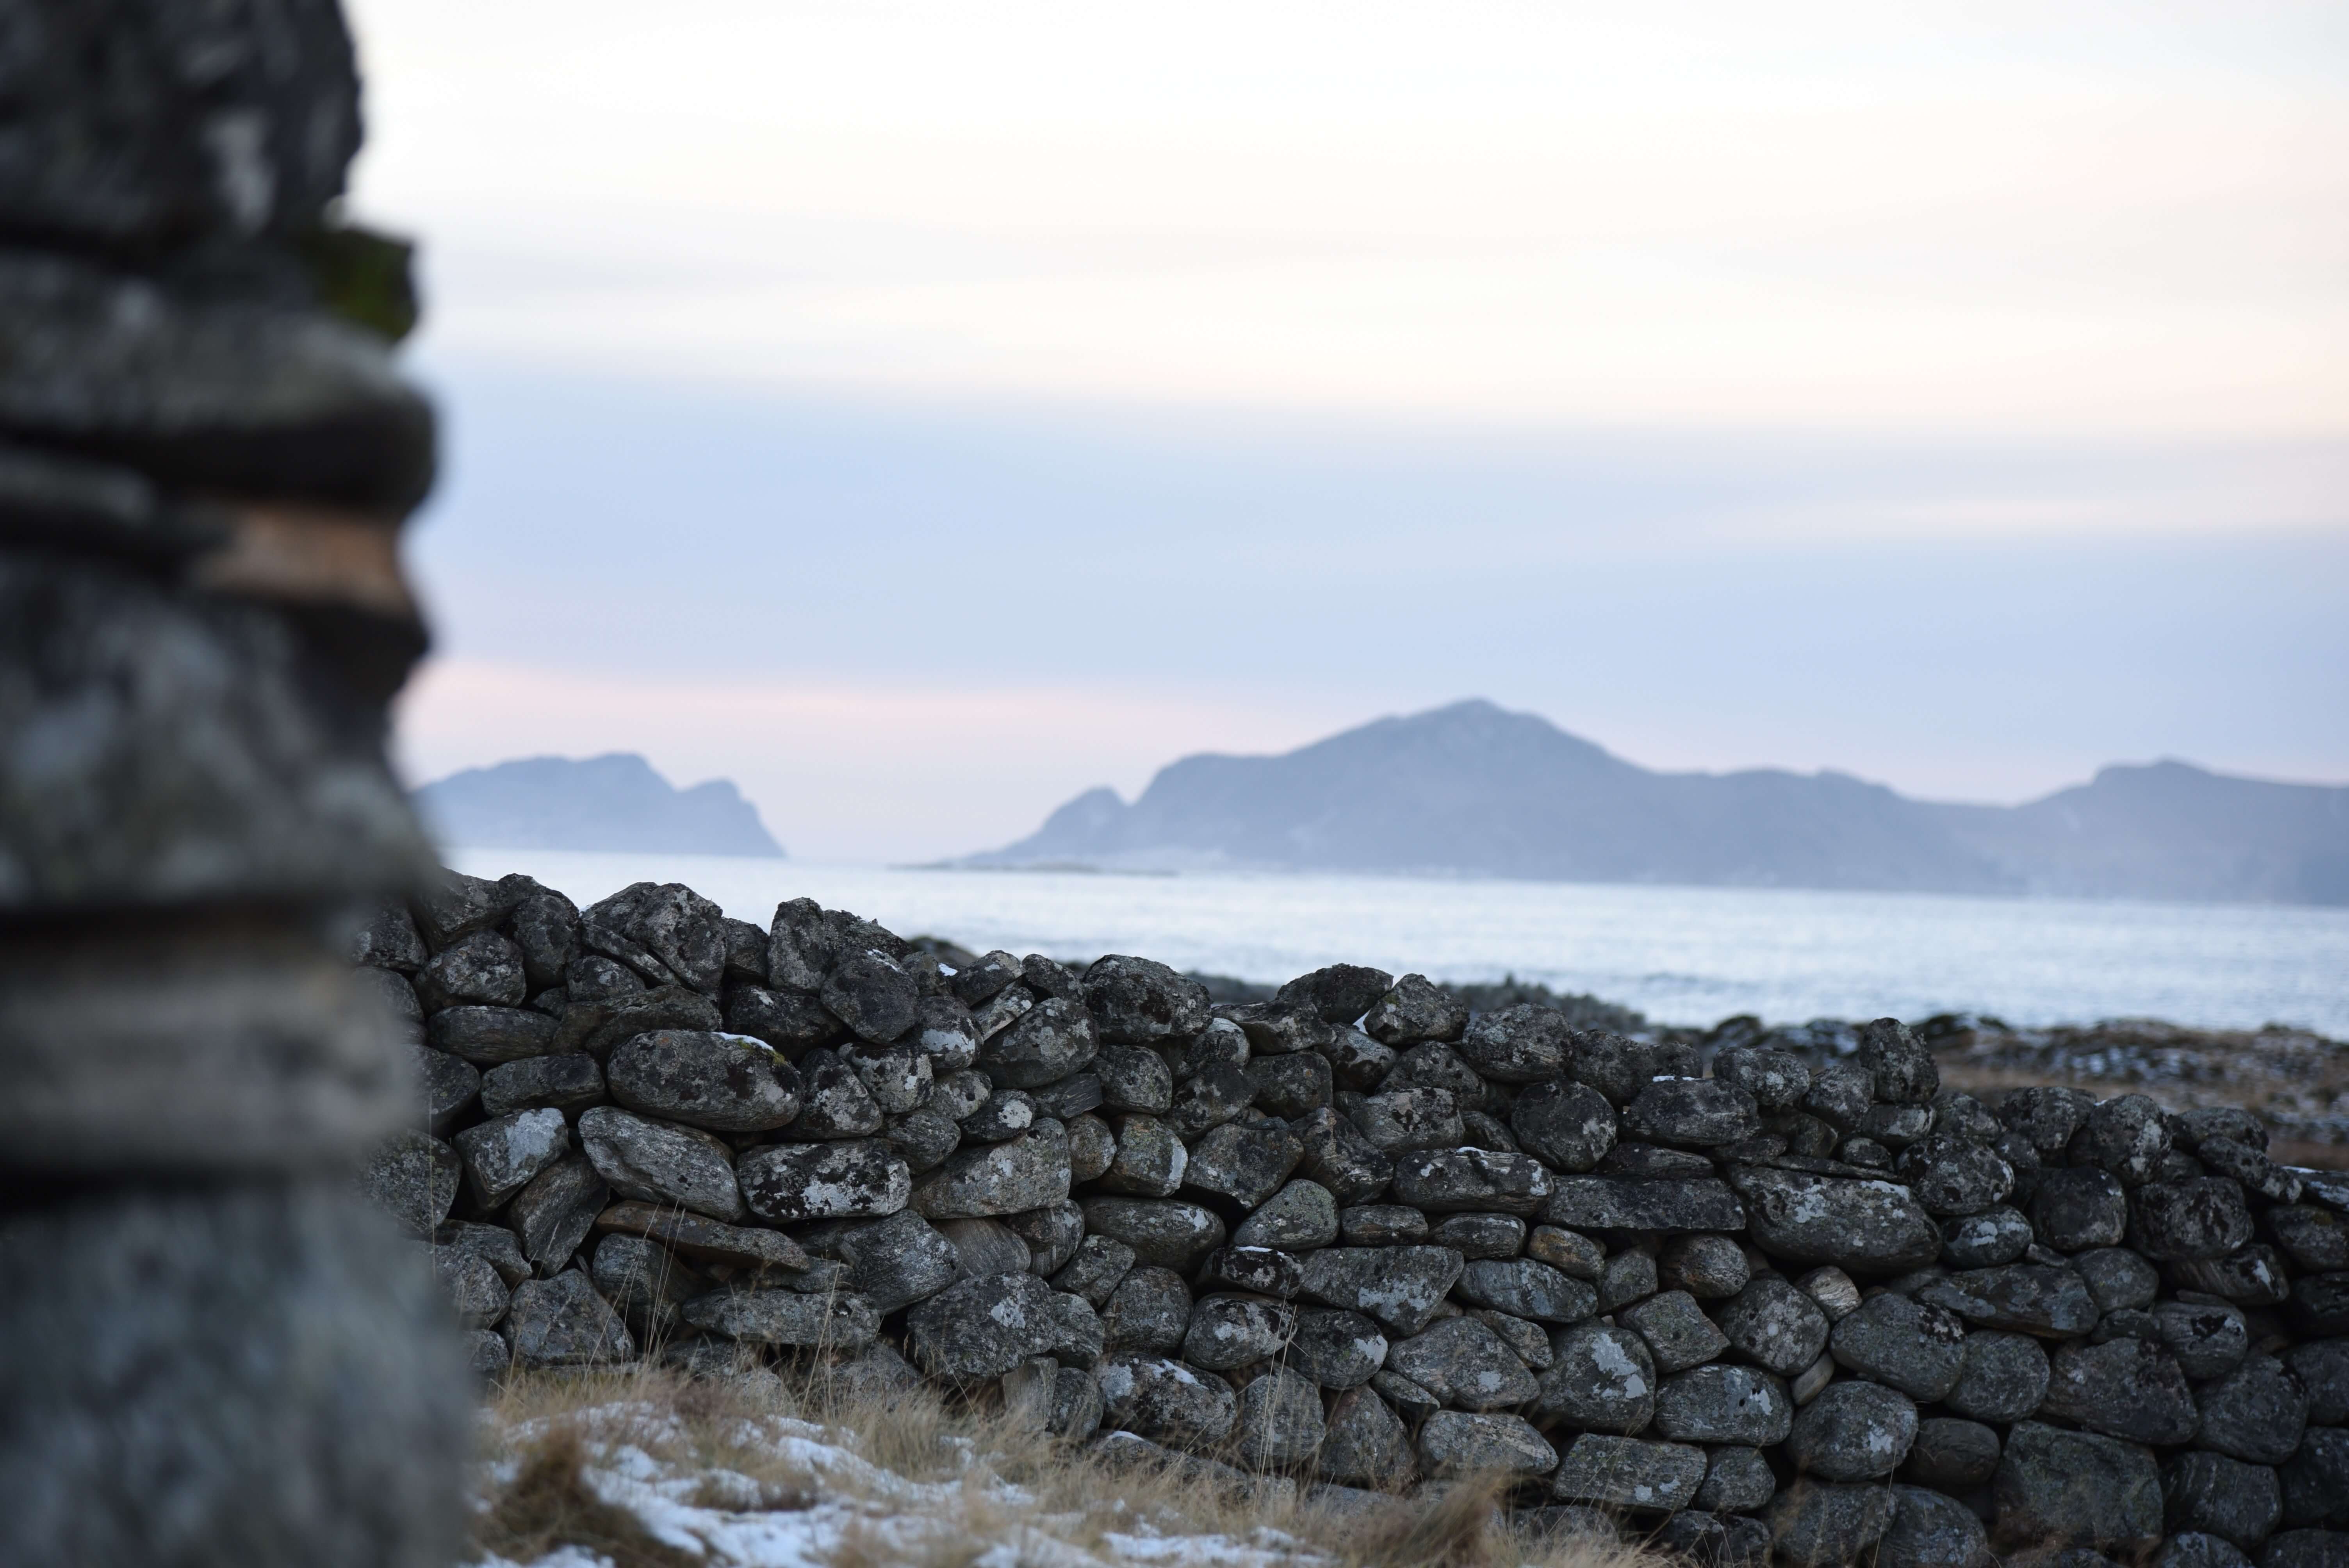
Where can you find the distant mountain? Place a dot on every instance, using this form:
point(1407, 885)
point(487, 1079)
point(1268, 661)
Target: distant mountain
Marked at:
point(1471, 789)
point(612, 802)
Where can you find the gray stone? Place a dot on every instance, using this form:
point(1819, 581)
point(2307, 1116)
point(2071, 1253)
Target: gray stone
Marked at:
point(2323, 1366)
point(1951, 1455)
point(1164, 1400)
point(1602, 1378)
point(562, 1322)
point(739, 1247)
point(1401, 1287)
point(1628, 1473)
point(2255, 1413)
point(1899, 1063)
point(2315, 1480)
point(2256, 1277)
point(982, 1327)
point(873, 994)
point(2030, 1298)
point(830, 1322)
point(390, 941)
point(834, 1101)
point(2125, 1388)
point(1773, 1325)
point(1840, 1094)
point(925, 1139)
point(1290, 1086)
point(793, 1022)
point(685, 931)
point(1776, 1079)
point(1335, 1348)
point(1255, 1271)
point(1527, 1340)
point(568, 1083)
point(1092, 1147)
point(1852, 1431)
point(1893, 1340)
point(2193, 1549)
point(450, 1086)
point(900, 1076)
point(1832, 1290)
point(1405, 1120)
point(1645, 1203)
point(494, 1244)
point(1693, 1113)
point(1027, 1172)
point(1338, 994)
point(1724, 1404)
point(1817, 1525)
point(2201, 1218)
point(483, 969)
point(475, 1290)
point(1136, 1002)
point(2213, 1494)
point(1450, 1180)
point(1464, 1364)
point(1678, 1333)
point(1135, 1079)
point(644, 1284)
point(1299, 1217)
point(1364, 1442)
point(2118, 1278)
point(1164, 1232)
point(1952, 1177)
point(658, 1163)
point(788, 1183)
point(1456, 1443)
point(897, 1261)
point(1095, 1269)
point(501, 1156)
point(1570, 1126)
point(1227, 1332)
point(1523, 1288)
point(1148, 1310)
point(1735, 1478)
point(1710, 1268)
point(1930, 1530)
point(2002, 1377)
point(1414, 1011)
point(2207, 1336)
point(1151, 1160)
point(1338, 1157)
point(1382, 1225)
point(1053, 1232)
point(1279, 1421)
point(2075, 1488)
point(1245, 1163)
point(945, 1033)
point(487, 1036)
point(1858, 1225)
point(1625, 1278)
point(1217, 1093)
point(1524, 1044)
point(1414, 1403)
point(2316, 1239)
point(487, 1355)
point(2306, 1549)
point(1356, 1061)
point(2127, 1136)
point(1568, 1252)
point(413, 1177)
point(555, 1212)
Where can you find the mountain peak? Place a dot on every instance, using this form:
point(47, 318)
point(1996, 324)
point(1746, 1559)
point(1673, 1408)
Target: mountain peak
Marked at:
point(614, 801)
point(1474, 788)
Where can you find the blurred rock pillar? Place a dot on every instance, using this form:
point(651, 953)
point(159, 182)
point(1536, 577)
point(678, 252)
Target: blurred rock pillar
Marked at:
point(211, 1351)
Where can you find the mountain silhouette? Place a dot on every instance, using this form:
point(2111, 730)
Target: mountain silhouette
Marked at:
point(1472, 789)
point(612, 802)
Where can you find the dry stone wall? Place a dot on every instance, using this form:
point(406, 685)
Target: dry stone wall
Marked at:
point(1746, 1302)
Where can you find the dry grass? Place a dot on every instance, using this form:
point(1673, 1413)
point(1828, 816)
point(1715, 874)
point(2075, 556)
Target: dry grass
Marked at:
point(1060, 1499)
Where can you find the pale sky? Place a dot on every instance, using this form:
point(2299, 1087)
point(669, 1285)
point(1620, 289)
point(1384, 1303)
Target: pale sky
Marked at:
point(919, 412)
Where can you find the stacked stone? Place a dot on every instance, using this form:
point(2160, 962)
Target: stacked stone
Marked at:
point(1747, 1306)
point(210, 1349)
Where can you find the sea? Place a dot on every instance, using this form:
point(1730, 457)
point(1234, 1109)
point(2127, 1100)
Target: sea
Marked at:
point(1679, 955)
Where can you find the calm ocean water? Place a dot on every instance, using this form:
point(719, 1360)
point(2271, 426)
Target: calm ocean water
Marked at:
point(1682, 955)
